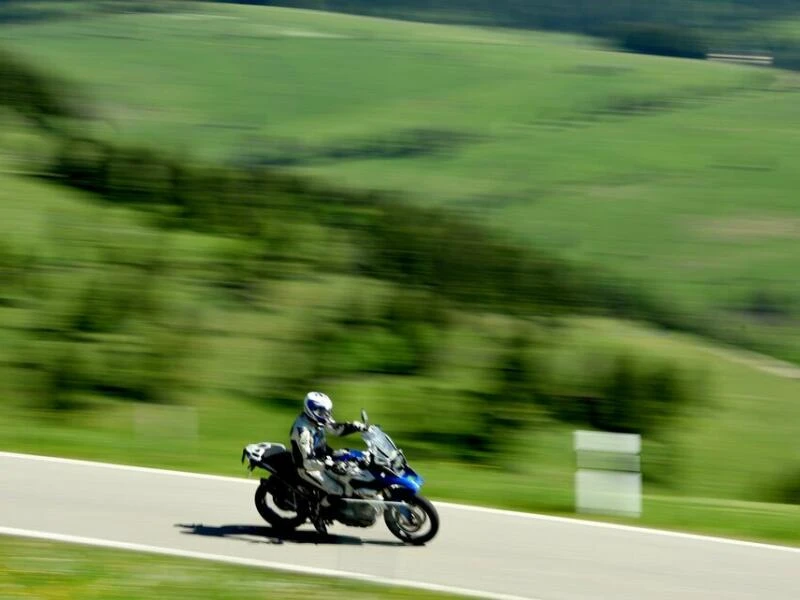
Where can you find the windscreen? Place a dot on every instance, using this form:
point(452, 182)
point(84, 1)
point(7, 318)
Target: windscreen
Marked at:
point(380, 442)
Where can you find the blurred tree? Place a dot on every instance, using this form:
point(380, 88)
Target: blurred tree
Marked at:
point(583, 16)
point(40, 97)
point(621, 408)
point(83, 163)
point(515, 400)
point(65, 379)
point(664, 40)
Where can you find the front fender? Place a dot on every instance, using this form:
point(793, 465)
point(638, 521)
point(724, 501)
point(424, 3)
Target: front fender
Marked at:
point(412, 483)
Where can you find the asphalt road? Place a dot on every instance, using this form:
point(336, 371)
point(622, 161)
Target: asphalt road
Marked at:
point(495, 553)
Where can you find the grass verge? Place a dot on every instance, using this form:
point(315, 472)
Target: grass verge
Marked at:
point(50, 570)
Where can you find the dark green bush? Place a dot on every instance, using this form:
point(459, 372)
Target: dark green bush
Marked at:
point(114, 338)
point(344, 351)
point(662, 40)
point(138, 175)
point(16, 272)
point(139, 6)
point(514, 401)
point(788, 57)
point(241, 271)
point(83, 164)
point(66, 377)
point(34, 94)
point(787, 488)
point(146, 366)
point(582, 16)
point(625, 395)
point(419, 247)
point(452, 258)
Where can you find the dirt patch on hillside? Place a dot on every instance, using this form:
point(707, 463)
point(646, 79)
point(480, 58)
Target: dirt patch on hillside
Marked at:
point(750, 228)
point(760, 362)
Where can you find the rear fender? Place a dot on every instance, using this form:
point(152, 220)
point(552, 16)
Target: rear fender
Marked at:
point(257, 454)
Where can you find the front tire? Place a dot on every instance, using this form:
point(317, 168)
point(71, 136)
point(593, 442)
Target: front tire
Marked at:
point(283, 522)
point(409, 526)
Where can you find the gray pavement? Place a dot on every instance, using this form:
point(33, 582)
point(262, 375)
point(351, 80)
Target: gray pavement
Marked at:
point(487, 551)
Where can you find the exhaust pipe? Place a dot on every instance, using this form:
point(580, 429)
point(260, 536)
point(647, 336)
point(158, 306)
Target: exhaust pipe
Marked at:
point(381, 503)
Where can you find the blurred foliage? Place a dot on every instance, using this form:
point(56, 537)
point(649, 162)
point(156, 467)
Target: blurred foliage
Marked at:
point(680, 28)
point(38, 96)
point(400, 340)
point(18, 273)
point(512, 405)
point(241, 272)
point(787, 488)
point(418, 247)
point(612, 393)
point(662, 40)
point(134, 6)
point(18, 11)
point(394, 240)
point(121, 330)
point(31, 11)
point(564, 15)
point(414, 246)
point(627, 395)
point(402, 144)
point(113, 334)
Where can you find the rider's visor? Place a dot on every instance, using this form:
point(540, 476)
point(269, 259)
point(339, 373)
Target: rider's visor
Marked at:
point(321, 413)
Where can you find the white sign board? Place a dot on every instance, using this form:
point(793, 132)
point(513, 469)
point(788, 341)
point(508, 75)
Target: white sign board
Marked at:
point(608, 479)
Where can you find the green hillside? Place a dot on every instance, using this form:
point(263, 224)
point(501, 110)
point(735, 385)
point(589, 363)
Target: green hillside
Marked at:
point(674, 173)
point(128, 335)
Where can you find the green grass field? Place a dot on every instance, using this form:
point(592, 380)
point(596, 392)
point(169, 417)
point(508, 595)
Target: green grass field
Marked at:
point(694, 200)
point(50, 570)
point(675, 173)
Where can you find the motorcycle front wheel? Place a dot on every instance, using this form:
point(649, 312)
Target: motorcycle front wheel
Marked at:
point(281, 520)
point(416, 523)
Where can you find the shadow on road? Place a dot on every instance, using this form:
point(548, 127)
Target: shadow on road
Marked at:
point(267, 535)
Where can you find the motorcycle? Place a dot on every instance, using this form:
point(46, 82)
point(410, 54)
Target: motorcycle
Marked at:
point(376, 481)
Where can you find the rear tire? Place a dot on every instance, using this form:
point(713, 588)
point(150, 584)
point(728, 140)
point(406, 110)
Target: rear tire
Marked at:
point(403, 529)
point(278, 522)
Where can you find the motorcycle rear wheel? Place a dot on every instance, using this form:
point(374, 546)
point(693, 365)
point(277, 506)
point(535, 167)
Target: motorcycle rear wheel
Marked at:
point(278, 521)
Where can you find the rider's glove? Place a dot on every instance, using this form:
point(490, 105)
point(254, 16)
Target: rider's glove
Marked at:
point(359, 426)
point(328, 461)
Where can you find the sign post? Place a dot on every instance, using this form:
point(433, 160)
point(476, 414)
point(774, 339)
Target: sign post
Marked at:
point(608, 479)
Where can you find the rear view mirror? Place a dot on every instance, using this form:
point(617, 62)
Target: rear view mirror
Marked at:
point(363, 416)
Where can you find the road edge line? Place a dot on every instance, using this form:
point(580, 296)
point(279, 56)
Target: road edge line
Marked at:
point(251, 562)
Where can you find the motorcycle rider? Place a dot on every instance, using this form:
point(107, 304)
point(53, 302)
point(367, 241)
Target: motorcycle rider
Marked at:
point(311, 453)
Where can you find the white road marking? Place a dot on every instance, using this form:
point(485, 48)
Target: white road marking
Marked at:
point(263, 564)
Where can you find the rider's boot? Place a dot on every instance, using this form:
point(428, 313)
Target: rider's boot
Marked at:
point(329, 500)
point(319, 513)
point(320, 525)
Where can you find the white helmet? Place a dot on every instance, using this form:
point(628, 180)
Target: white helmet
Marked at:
point(318, 407)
